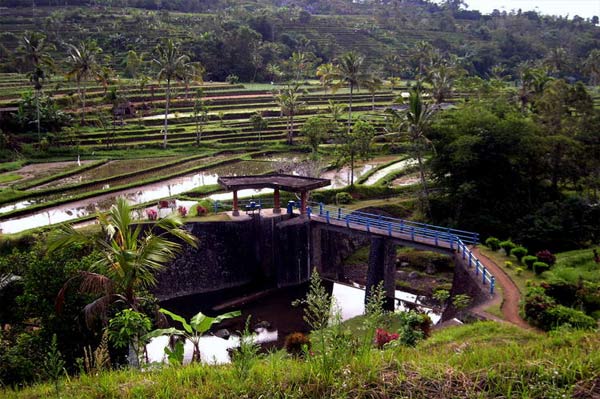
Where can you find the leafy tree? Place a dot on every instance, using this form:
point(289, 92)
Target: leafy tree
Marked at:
point(131, 256)
point(128, 328)
point(133, 63)
point(199, 325)
point(259, 124)
point(315, 130)
point(35, 51)
point(83, 65)
point(171, 64)
point(592, 66)
point(325, 73)
point(355, 144)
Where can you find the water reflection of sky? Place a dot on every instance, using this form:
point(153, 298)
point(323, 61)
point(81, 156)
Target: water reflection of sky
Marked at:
point(214, 350)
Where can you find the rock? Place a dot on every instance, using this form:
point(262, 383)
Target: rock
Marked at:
point(223, 333)
point(263, 324)
point(404, 264)
point(413, 275)
point(401, 274)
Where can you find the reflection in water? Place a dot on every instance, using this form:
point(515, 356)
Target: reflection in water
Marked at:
point(281, 315)
point(136, 195)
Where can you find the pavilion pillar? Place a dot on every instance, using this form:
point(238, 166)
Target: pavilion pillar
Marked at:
point(236, 211)
point(276, 201)
point(303, 197)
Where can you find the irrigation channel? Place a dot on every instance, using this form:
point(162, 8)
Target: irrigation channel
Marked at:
point(166, 188)
point(272, 318)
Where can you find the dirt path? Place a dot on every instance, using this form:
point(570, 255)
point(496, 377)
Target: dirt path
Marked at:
point(510, 292)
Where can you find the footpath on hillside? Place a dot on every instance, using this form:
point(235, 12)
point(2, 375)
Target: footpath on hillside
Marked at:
point(510, 292)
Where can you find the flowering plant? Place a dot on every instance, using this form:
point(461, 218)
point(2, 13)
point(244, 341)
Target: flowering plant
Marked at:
point(152, 214)
point(383, 337)
point(182, 211)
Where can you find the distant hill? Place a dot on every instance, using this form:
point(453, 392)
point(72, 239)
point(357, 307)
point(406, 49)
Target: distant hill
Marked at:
point(246, 38)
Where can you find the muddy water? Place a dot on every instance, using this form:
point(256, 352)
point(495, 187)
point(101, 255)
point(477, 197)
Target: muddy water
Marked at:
point(380, 174)
point(272, 317)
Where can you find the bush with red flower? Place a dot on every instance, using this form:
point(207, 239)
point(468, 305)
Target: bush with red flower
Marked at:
point(152, 214)
point(182, 211)
point(383, 337)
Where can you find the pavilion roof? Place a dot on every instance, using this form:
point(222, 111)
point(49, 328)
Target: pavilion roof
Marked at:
point(284, 182)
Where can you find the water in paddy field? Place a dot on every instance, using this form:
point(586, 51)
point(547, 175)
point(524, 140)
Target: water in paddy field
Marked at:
point(136, 195)
point(380, 174)
point(272, 317)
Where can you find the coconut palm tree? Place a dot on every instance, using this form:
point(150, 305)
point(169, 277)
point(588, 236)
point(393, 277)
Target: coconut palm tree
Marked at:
point(130, 257)
point(35, 52)
point(171, 65)
point(349, 72)
point(374, 84)
point(324, 73)
point(289, 100)
point(83, 65)
point(415, 122)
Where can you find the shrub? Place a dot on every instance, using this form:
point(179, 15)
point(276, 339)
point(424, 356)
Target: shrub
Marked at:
point(508, 264)
point(529, 260)
point(343, 198)
point(493, 243)
point(232, 79)
point(383, 337)
point(518, 252)
point(152, 214)
point(507, 246)
point(296, 342)
point(518, 271)
point(546, 257)
point(560, 315)
point(540, 267)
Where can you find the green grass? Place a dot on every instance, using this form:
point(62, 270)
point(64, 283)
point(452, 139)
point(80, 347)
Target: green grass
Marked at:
point(10, 166)
point(9, 177)
point(481, 360)
point(575, 265)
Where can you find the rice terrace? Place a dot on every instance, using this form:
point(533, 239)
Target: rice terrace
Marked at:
point(299, 199)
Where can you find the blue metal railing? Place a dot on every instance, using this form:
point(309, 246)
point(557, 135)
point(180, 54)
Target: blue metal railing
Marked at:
point(453, 238)
point(394, 225)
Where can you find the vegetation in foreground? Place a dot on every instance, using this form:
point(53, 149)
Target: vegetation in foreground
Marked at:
point(473, 361)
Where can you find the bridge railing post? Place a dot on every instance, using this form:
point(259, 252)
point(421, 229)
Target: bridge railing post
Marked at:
point(308, 211)
point(340, 214)
point(368, 226)
point(464, 251)
point(492, 285)
point(401, 226)
point(327, 217)
point(412, 233)
point(321, 209)
point(216, 206)
point(390, 229)
point(483, 276)
point(436, 238)
point(451, 242)
point(347, 221)
point(477, 270)
point(470, 258)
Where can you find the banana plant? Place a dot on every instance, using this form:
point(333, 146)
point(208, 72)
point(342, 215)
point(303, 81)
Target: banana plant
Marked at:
point(192, 331)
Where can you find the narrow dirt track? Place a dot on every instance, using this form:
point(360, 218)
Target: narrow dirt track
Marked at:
point(511, 293)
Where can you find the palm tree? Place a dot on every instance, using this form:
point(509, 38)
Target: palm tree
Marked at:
point(172, 65)
point(35, 51)
point(374, 84)
point(416, 120)
point(83, 65)
point(324, 73)
point(289, 100)
point(349, 72)
point(130, 257)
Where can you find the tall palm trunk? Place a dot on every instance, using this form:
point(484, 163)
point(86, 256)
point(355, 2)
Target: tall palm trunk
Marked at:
point(425, 192)
point(352, 168)
point(350, 108)
point(81, 92)
point(37, 110)
point(291, 129)
point(167, 112)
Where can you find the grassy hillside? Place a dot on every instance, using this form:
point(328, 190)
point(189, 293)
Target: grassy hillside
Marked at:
point(483, 360)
